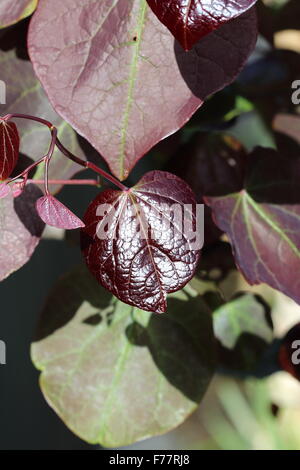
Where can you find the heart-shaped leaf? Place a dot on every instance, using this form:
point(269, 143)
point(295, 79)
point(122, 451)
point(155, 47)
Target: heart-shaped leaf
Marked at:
point(190, 20)
point(118, 78)
point(116, 374)
point(262, 220)
point(20, 228)
point(56, 214)
point(144, 243)
point(9, 148)
point(12, 11)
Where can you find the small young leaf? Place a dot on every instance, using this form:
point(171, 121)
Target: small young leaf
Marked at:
point(134, 243)
point(126, 374)
point(12, 11)
point(56, 214)
point(190, 20)
point(9, 148)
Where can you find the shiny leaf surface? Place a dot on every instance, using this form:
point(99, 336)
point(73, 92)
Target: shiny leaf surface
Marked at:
point(191, 20)
point(138, 244)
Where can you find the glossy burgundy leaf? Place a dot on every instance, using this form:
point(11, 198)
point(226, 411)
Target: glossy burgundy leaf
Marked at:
point(56, 214)
point(136, 245)
point(262, 220)
point(190, 20)
point(9, 148)
point(112, 70)
point(12, 11)
point(20, 229)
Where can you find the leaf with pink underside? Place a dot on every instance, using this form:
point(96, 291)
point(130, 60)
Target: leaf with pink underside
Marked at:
point(56, 214)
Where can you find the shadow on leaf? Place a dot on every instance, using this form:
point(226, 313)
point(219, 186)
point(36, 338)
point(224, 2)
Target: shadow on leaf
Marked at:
point(179, 343)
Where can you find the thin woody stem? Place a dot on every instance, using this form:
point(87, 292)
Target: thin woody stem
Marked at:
point(90, 165)
point(28, 116)
point(64, 150)
point(75, 182)
point(48, 158)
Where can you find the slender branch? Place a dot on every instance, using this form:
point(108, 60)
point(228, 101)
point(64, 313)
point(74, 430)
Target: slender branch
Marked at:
point(107, 176)
point(90, 165)
point(49, 156)
point(82, 182)
point(70, 155)
point(28, 169)
point(27, 116)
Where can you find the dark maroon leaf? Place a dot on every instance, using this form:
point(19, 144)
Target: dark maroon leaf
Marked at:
point(262, 220)
point(118, 78)
point(9, 148)
point(212, 162)
point(136, 246)
point(216, 163)
point(20, 229)
point(56, 214)
point(106, 367)
point(190, 20)
point(12, 11)
point(289, 352)
point(216, 262)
